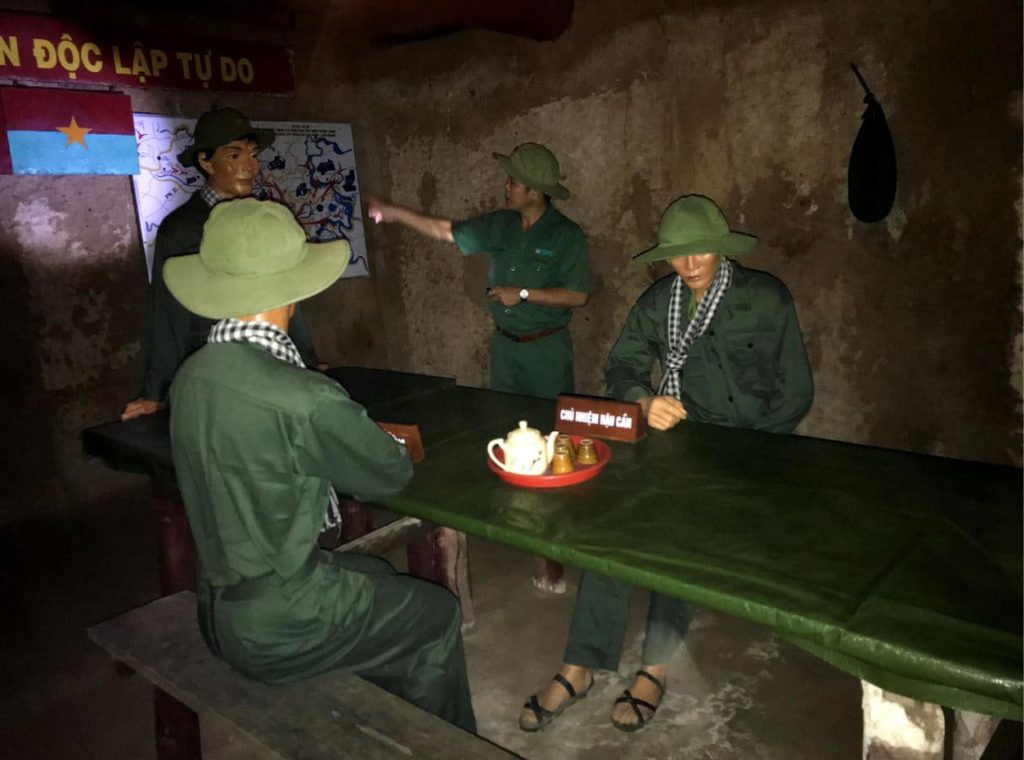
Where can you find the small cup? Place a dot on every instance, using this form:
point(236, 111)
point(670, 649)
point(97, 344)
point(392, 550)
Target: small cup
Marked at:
point(587, 452)
point(561, 463)
point(566, 440)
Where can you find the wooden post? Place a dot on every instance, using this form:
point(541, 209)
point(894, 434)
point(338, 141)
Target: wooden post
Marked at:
point(356, 519)
point(177, 727)
point(454, 567)
point(175, 547)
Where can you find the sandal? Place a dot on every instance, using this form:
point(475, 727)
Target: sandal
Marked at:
point(636, 703)
point(544, 716)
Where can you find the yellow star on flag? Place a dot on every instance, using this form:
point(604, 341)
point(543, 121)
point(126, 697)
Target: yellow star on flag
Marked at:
point(74, 133)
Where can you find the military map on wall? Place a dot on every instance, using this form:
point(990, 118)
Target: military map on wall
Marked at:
point(311, 167)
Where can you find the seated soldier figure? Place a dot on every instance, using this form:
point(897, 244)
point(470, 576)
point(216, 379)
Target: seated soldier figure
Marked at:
point(260, 445)
point(731, 353)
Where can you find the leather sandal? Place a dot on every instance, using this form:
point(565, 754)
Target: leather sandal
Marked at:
point(636, 703)
point(545, 716)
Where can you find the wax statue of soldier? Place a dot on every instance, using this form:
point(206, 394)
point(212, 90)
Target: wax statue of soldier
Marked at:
point(539, 271)
point(260, 446)
point(731, 353)
point(225, 150)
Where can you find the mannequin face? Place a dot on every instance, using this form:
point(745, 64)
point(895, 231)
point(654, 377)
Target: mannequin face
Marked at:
point(697, 270)
point(232, 168)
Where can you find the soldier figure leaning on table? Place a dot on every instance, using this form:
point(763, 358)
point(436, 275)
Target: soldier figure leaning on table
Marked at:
point(731, 353)
point(225, 150)
point(259, 446)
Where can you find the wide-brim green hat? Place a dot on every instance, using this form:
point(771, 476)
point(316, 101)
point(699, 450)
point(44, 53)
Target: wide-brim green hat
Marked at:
point(693, 225)
point(253, 257)
point(219, 127)
point(536, 167)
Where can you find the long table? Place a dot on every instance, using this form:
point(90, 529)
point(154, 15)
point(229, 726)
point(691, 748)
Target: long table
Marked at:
point(902, 569)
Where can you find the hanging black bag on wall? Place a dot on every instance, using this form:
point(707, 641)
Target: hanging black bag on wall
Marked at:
point(871, 176)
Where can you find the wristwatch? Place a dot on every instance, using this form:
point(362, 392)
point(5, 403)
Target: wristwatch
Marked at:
point(524, 295)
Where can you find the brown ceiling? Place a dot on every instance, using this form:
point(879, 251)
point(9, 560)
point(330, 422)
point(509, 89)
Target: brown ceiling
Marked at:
point(381, 21)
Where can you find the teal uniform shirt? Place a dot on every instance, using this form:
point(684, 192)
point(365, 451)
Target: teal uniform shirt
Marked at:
point(748, 370)
point(257, 444)
point(552, 253)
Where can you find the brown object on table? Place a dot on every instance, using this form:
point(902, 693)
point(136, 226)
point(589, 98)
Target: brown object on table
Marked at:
point(566, 440)
point(408, 436)
point(593, 417)
point(561, 463)
point(587, 453)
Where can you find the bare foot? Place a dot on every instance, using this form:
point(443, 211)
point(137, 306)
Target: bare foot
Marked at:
point(554, 697)
point(623, 714)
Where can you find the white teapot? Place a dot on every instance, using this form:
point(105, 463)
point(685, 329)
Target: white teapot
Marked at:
point(526, 451)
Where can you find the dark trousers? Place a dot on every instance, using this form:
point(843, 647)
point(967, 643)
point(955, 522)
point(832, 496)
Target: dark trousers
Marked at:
point(599, 624)
point(354, 613)
point(541, 368)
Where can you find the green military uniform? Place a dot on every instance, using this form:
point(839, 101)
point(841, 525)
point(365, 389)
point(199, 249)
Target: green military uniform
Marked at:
point(552, 253)
point(257, 445)
point(748, 370)
point(172, 332)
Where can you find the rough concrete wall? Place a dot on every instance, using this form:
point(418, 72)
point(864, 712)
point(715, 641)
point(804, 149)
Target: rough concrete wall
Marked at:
point(73, 280)
point(912, 325)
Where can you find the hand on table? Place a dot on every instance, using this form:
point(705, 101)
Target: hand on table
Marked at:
point(140, 407)
point(662, 412)
point(504, 294)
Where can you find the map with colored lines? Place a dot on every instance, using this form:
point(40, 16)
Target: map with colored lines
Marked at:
point(311, 167)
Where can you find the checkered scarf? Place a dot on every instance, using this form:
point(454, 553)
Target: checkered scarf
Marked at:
point(679, 342)
point(275, 340)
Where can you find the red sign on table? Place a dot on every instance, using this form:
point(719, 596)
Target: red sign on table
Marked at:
point(46, 49)
point(408, 436)
point(600, 418)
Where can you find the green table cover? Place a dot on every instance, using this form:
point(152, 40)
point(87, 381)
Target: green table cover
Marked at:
point(902, 569)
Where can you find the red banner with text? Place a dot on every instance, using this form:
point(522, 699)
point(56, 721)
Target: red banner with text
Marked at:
point(46, 49)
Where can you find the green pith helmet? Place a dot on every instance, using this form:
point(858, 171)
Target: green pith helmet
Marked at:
point(219, 127)
point(693, 225)
point(253, 257)
point(536, 167)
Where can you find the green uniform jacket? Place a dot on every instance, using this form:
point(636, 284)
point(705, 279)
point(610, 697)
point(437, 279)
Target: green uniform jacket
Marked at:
point(171, 331)
point(257, 443)
point(748, 370)
point(552, 253)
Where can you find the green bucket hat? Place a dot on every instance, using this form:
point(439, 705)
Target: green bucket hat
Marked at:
point(693, 225)
point(253, 257)
point(536, 167)
point(219, 127)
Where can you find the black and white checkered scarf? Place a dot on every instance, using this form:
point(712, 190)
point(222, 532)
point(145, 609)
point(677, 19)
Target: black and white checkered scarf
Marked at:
point(275, 340)
point(679, 342)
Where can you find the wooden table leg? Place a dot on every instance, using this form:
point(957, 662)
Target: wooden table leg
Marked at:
point(177, 553)
point(421, 553)
point(177, 729)
point(454, 565)
point(177, 726)
point(439, 555)
point(548, 575)
point(356, 520)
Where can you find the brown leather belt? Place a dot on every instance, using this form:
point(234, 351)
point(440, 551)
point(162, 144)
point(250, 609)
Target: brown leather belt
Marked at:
point(532, 336)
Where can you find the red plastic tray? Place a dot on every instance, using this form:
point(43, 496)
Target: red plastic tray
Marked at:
point(581, 474)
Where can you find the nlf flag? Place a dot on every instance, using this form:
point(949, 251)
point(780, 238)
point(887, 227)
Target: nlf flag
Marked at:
point(51, 131)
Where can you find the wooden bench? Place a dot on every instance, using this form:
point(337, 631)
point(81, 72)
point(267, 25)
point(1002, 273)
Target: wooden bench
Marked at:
point(334, 715)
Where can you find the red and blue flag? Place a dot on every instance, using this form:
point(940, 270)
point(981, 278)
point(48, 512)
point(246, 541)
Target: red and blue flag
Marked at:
point(51, 131)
